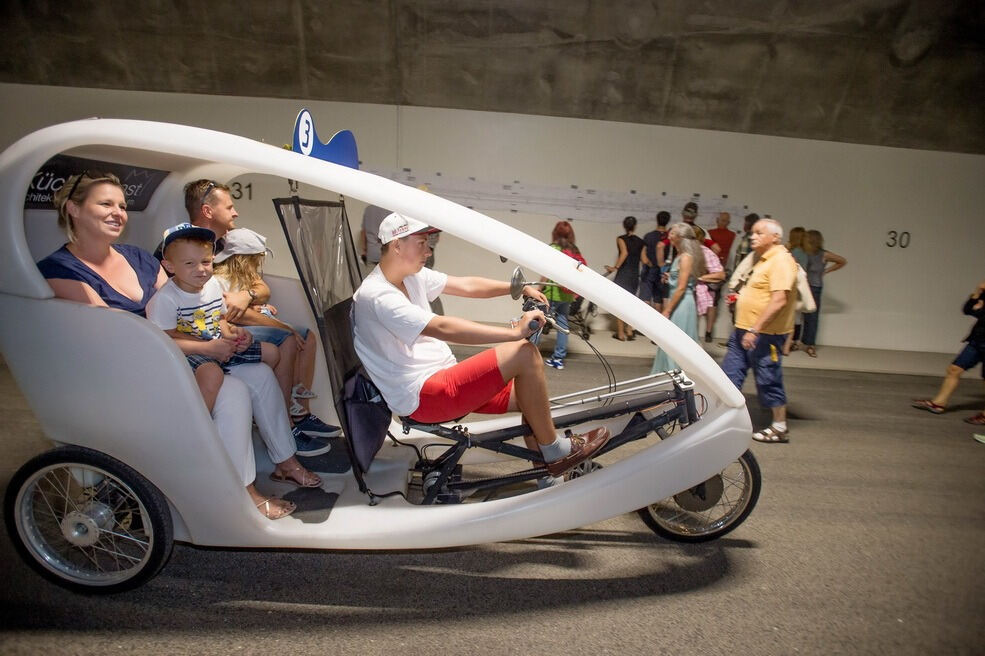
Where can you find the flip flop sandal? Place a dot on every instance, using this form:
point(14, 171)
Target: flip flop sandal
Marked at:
point(928, 405)
point(770, 435)
point(976, 420)
point(275, 512)
point(290, 478)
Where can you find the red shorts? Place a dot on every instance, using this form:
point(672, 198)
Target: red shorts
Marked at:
point(472, 385)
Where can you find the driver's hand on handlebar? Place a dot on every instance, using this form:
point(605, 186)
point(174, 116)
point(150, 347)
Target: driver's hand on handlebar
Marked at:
point(522, 325)
point(535, 293)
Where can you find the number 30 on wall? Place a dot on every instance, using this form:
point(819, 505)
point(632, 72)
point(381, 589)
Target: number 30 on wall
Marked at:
point(897, 239)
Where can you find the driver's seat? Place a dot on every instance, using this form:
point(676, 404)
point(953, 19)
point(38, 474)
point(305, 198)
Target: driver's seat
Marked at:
point(364, 415)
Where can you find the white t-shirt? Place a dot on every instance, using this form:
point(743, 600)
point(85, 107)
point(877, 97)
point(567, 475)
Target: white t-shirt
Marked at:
point(387, 334)
point(195, 314)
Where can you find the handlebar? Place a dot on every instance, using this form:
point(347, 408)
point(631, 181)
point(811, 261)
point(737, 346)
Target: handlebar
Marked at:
point(530, 304)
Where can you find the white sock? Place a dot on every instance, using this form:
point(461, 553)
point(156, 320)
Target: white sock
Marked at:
point(780, 426)
point(556, 450)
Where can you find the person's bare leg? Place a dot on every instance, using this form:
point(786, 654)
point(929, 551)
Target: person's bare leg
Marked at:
point(304, 366)
point(948, 385)
point(209, 377)
point(788, 343)
point(521, 362)
point(710, 319)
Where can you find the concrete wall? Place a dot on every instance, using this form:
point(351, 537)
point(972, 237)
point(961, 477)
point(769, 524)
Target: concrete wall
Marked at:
point(887, 297)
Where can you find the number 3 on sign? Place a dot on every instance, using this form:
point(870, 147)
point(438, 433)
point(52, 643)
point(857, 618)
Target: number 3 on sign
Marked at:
point(900, 239)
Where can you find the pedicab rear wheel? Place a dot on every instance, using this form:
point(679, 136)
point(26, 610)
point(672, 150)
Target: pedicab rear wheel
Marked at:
point(88, 522)
point(710, 509)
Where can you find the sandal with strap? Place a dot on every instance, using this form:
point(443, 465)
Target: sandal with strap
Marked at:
point(771, 435)
point(271, 511)
point(307, 478)
point(928, 405)
point(811, 351)
point(976, 420)
point(299, 391)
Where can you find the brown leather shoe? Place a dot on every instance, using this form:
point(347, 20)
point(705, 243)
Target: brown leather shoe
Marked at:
point(583, 447)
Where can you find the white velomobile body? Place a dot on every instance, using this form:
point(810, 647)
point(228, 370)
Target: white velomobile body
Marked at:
point(112, 382)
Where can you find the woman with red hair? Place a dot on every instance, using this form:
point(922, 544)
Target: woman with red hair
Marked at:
point(563, 239)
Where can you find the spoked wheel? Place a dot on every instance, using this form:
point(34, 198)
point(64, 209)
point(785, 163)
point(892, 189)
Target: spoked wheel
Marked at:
point(584, 468)
point(710, 509)
point(88, 522)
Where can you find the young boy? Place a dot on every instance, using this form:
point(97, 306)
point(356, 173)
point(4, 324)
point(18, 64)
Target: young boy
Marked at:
point(189, 308)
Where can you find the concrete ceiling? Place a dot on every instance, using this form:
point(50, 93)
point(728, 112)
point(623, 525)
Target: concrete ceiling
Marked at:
point(906, 73)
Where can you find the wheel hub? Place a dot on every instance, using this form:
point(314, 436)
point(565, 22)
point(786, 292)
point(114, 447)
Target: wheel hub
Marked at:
point(702, 496)
point(81, 527)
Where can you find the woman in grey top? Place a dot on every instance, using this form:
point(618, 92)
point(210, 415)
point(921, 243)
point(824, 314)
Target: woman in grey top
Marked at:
point(819, 263)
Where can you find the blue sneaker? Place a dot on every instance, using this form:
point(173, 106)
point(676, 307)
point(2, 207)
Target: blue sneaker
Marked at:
point(308, 445)
point(554, 362)
point(312, 425)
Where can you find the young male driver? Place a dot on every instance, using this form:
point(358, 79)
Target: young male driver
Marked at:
point(402, 344)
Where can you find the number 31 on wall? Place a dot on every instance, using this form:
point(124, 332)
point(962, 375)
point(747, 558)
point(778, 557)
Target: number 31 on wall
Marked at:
point(238, 191)
point(897, 239)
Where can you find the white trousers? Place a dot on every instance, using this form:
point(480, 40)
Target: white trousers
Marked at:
point(250, 392)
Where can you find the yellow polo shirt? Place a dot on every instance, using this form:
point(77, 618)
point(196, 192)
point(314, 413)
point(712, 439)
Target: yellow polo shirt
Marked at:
point(775, 271)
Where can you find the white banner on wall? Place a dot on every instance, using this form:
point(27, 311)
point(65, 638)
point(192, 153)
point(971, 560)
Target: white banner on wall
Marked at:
point(573, 202)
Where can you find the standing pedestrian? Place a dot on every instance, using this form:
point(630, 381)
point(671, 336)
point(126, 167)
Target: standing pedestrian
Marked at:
point(763, 317)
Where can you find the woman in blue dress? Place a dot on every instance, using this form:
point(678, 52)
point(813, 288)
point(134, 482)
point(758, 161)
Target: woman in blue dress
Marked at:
point(93, 269)
point(680, 308)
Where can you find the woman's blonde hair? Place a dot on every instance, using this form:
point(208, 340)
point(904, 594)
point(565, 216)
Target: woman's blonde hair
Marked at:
point(76, 188)
point(241, 271)
point(796, 238)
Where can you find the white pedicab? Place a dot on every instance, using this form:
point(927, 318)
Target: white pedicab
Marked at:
point(139, 463)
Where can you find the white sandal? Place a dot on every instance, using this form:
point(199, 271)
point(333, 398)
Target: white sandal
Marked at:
point(301, 392)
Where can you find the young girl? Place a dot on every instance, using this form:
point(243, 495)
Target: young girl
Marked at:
point(237, 267)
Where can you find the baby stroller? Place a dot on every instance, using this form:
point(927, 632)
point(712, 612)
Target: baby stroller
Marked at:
point(581, 315)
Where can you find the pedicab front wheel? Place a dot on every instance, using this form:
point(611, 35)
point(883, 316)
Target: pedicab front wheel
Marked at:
point(88, 522)
point(710, 509)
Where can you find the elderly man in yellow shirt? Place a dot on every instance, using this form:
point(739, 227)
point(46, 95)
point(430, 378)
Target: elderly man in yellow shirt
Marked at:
point(763, 317)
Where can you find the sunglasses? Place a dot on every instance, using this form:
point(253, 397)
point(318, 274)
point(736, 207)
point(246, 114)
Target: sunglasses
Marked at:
point(75, 185)
point(208, 190)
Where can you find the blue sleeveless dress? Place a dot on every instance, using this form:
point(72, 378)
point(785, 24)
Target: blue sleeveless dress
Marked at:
point(684, 316)
point(64, 266)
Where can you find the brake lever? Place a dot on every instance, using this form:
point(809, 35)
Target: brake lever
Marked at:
point(549, 317)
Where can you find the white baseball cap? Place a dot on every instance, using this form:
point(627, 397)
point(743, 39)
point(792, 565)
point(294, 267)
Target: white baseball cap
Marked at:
point(242, 241)
point(395, 226)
